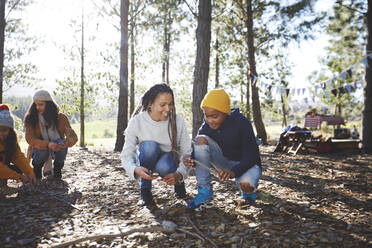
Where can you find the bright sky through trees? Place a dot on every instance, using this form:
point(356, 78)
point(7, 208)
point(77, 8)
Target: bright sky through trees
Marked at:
point(50, 20)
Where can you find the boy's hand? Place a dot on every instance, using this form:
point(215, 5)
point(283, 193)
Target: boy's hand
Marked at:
point(172, 178)
point(225, 175)
point(188, 161)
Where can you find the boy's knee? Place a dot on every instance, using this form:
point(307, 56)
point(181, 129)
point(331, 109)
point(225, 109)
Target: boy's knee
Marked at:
point(200, 140)
point(246, 188)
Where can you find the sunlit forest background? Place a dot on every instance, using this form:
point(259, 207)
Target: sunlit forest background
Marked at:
point(162, 48)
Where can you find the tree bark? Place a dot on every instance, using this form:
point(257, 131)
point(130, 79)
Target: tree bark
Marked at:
point(248, 96)
point(82, 86)
point(367, 112)
point(123, 89)
point(2, 41)
point(201, 71)
point(166, 49)
point(217, 62)
point(257, 117)
point(132, 69)
point(284, 123)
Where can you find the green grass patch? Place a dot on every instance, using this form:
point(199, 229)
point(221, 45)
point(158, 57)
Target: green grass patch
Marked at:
point(100, 129)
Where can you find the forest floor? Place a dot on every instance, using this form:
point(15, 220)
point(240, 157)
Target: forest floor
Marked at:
point(304, 200)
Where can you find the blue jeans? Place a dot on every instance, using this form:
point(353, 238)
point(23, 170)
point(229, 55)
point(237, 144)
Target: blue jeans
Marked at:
point(151, 157)
point(212, 153)
point(39, 157)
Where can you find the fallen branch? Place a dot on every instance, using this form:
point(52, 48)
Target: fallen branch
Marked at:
point(114, 235)
point(199, 232)
point(122, 234)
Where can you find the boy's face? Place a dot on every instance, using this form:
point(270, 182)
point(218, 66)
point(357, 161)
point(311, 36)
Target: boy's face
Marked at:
point(213, 117)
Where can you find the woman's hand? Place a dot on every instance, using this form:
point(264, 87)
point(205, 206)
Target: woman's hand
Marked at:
point(32, 180)
point(24, 179)
point(53, 146)
point(143, 173)
point(225, 175)
point(172, 178)
point(27, 179)
point(62, 145)
point(188, 161)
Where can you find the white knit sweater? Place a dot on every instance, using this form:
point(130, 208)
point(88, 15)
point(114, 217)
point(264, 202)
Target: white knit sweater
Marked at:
point(142, 128)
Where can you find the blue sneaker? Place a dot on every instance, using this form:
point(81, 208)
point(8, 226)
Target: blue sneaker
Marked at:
point(249, 198)
point(203, 195)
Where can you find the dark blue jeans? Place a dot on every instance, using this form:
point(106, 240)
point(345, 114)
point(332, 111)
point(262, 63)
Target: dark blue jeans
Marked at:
point(39, 157)
point(151, 157)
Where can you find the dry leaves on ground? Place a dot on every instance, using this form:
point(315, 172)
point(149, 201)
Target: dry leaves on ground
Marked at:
point(304, 201)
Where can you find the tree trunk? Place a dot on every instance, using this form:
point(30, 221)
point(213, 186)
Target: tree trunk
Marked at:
point(123, 89)
point(201, 71)
point(367, 112)
point(132, 69)
point(284, 123)
point(165, 46)
point(2, 40)
point(82, 86)
point(217, 62)
point(167, 37)
point(167, 59)
point(248, 96)
point(257, 118)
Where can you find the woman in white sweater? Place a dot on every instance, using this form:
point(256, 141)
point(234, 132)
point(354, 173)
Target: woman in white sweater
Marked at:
point(156, 141)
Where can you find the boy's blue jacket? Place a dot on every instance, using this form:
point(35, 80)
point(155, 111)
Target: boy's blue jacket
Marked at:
point(236, 138)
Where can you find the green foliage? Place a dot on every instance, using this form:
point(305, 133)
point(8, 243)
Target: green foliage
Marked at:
point(18, 126)
point(96, 129)
point(107, 134)
point(347, 31)
point(18, 105)
point(18, 45)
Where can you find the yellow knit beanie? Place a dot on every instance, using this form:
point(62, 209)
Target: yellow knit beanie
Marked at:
point(217, 99)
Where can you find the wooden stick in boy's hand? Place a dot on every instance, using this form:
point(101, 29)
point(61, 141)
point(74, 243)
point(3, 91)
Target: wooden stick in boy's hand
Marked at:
point(225, 174)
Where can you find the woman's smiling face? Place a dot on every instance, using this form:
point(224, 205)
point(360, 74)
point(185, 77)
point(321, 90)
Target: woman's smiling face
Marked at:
point(161, 107)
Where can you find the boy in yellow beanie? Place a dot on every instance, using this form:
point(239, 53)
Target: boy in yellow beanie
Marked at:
point(225, 140)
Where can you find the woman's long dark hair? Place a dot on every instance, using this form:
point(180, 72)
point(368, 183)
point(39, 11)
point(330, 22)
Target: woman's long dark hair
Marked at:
point(10, 145)
point(147, 99)
point(50, 114)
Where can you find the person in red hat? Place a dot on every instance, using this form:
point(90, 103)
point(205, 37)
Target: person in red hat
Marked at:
point(13, 162)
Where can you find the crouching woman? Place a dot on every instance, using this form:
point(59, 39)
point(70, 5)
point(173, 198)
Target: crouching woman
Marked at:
point(48, 133)
point(156, 139)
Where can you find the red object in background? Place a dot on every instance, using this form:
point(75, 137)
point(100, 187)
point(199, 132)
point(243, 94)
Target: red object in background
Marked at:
point(324, 147)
